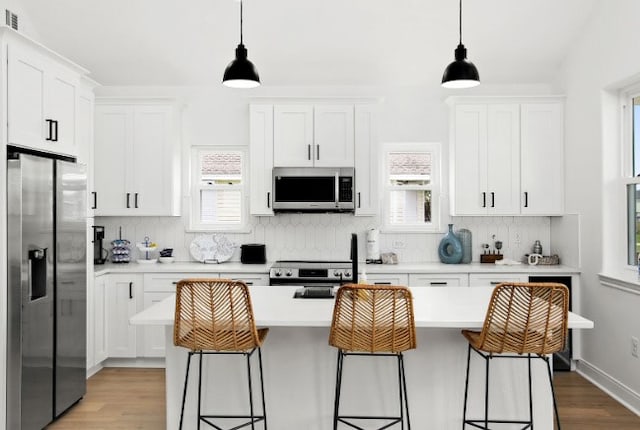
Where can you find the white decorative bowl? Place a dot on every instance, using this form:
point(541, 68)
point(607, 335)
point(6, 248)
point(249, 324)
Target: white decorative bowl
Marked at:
point(166, 259)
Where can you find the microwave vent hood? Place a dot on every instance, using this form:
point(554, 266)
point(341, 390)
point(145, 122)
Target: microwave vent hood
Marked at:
point(313, 189)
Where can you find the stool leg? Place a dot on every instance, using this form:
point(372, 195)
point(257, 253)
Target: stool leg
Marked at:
point(466, 389)
point(486, 393)
point(530, 394)
point(336, 403)
point(404, 389)
point(199, 387)
point(400, 391)
point(250, 390)
point(264, 408)
point(553, 392)
point(184, 390)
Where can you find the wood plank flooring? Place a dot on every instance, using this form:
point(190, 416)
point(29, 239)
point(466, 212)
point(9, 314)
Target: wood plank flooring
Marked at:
point(133, 399)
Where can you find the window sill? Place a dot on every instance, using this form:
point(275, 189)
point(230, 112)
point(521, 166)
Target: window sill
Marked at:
point(627, 280)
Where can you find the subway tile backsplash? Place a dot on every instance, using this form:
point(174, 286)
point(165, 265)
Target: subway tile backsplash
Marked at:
point(326, 236)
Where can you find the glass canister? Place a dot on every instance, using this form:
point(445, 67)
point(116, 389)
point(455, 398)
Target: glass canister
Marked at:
point(465, 237)
point(450, 248)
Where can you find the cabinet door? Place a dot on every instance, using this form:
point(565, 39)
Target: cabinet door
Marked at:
point(333, 136)
point(121, 294)
point(261, 159)
point(113, 136)
point(151, 166)
point(26, 75)
point(154, 336)
point(61, 106)
point(248, 278)
point(542, 151)
point(293, 136)
point(503, 159)
point(488, 279)
point(388, 279)
point(439, 280)
point(469, 160)
point(366, 161)
point(100, 347)
point(84, 133)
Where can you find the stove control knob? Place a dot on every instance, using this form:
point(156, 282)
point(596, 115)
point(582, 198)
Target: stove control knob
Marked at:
point(289, 273)
point(278, 272)
point(337, 273)
point(347, 274)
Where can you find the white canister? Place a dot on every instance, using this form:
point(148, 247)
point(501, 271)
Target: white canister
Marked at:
point(373, 244)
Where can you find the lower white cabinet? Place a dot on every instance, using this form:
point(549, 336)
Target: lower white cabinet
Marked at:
point(388, 279)
point(439, 280)
point(99, 327)
point(487, 279)
point(122, 294)
point(248, 278)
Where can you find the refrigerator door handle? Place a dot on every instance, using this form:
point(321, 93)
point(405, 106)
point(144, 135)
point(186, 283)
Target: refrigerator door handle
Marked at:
point(37, 280)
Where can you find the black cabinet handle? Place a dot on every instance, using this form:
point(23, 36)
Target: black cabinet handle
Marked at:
point(317, 152)
point(55, 128)
point(382, 283)
point(269, 199)
point(135, 200)
point(438, 283)
point(128, 205)
point(130, 290)
point(95, 200)
point(359, 202)
point(493, 199)
point(50, 134)
point(526, 199)
point(484, 200)
point(308, 152)
point(495, 282)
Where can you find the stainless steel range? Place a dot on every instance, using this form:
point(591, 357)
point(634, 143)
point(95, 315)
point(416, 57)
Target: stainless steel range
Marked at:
point(312, 273)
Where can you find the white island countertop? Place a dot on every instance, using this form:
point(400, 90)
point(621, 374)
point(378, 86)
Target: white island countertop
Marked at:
point(436, 307)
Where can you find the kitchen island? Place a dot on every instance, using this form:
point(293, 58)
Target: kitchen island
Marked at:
point(299, 366)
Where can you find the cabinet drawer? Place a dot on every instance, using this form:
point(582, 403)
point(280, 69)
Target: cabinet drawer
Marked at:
point(439, 280)
point(166, 282)
point(248, 278)
point(390, 279)
point(488, 279)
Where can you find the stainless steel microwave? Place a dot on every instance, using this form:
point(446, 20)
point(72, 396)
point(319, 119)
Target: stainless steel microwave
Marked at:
point(313, 189)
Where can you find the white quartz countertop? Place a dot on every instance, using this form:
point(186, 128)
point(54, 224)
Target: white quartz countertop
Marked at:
point(438, 307)
point(237, 267)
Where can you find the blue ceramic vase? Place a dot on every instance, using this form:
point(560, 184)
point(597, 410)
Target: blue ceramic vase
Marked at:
point(450, 248)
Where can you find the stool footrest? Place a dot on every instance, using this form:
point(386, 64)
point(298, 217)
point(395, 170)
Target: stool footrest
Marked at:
point(343, 419)
point(476, 423)
point(252, 420)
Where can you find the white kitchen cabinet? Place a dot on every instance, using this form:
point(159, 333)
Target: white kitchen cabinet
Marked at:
point(507, 156)
point(388, 279)
point(99, 320)
point(313, 135)
point(122, 294)
point(42, 97)
point(260, 159)
point(248, 278)
point(487, 279)
point(84, 133)
point(137, 172)
point(542, 150)
point(439, 280)
point(366, 160)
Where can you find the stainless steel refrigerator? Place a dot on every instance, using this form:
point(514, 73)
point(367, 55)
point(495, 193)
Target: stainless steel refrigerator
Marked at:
point(46, 351)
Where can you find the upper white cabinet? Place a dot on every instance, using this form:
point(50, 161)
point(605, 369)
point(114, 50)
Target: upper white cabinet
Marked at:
point(261, 158)
point(313, 135)
point(506, 156)
point(366, 160)
point(42, 97)
point(137, 153)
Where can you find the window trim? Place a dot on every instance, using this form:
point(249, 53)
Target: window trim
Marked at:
point(194, 188)
point(435, 148)
point(627, 159)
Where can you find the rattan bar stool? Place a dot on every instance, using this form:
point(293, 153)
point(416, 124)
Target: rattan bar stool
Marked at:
point(524, 320)
point(214, 316)
point(374, 321)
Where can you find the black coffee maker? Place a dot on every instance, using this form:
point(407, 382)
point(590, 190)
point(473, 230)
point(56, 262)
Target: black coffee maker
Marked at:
point(98, 250)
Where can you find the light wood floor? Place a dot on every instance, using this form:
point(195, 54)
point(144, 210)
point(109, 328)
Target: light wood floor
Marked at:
point(133, 399)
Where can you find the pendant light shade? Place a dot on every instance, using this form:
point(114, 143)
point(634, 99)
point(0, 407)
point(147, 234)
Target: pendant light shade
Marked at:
point(241, 73)
point(462, 73)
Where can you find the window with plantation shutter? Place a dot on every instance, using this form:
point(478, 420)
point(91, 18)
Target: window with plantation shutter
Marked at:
point(218, 189)
point(412, 186)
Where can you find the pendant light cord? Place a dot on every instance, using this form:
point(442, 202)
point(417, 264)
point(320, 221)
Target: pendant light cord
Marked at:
point(241, 22)
point(460, 20)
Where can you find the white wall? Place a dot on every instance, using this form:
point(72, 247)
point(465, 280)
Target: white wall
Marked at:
point(220, 116)
point(603, 58)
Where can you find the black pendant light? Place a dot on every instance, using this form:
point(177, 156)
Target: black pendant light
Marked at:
point(461, 73)
point(241, 73)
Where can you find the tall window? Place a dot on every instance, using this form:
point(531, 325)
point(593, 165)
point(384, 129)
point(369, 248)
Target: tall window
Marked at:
point(412, 185)
point(218, 195)
point(632, 181)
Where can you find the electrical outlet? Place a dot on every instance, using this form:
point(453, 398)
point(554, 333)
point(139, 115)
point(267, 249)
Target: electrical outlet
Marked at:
point(517, 238)
point(634, 346)
point(398, 244)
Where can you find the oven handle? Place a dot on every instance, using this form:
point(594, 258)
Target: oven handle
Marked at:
point(337, 189)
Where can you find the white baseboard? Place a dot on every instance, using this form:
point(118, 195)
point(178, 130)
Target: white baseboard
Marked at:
point(134, 362)
point(93, 370)
point(623, 394)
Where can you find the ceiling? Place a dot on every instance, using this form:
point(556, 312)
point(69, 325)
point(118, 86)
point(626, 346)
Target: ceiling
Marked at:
point(304, 42)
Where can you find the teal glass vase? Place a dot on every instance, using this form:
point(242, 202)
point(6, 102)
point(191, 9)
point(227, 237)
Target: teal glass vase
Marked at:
point(450, 248)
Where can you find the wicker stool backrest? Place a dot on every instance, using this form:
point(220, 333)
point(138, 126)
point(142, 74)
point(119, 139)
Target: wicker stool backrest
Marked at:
point(526, 318)
point(214, 315)
point(373, 318)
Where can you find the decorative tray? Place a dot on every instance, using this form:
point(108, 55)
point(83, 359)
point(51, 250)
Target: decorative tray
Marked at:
point(211, 248)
